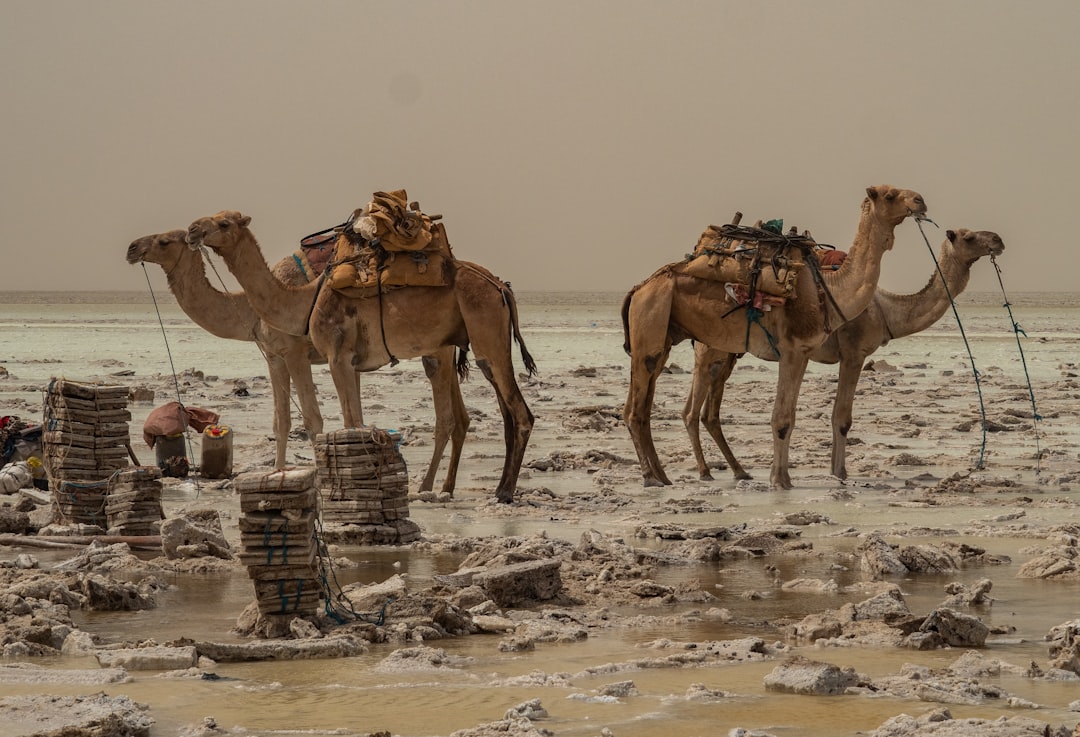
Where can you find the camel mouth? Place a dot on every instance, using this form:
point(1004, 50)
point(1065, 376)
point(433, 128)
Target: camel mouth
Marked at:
point(134, 254)
point(194, 239)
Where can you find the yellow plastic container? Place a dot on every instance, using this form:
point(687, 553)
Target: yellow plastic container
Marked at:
point(217, 452)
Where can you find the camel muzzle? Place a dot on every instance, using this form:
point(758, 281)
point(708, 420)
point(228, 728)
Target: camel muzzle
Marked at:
point(135, 253)
point(194, 239)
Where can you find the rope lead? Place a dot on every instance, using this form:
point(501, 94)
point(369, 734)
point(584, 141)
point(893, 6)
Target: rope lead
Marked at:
point(1018, 331)
point(172, 367)
point(978, 386)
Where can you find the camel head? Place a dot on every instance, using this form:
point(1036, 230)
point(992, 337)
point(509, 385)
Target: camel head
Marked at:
point(165, 249)
point(892, 205)
point(219, 232)
point(970, 245)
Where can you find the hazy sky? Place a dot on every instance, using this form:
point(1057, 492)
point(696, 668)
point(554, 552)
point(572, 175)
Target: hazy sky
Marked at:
point(570, 144)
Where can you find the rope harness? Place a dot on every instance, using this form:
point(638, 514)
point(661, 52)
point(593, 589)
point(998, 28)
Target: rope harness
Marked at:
point(778, 242)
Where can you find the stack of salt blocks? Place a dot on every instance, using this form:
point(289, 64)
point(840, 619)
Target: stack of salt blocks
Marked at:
point(365, 487)
point(85, 439)
point(133, 501)
point(279, 547)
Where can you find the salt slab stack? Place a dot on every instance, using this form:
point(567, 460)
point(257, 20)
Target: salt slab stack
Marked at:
point(278, 510)
point(365, 487)
point(85, 431)
point(133, 501)
point(81, 503)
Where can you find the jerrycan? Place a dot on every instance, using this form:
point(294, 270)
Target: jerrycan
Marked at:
point(217, 452)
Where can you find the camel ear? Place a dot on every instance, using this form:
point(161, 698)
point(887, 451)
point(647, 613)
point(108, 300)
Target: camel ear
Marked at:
point(244, 220)
point(872, 193)
point(951, 235)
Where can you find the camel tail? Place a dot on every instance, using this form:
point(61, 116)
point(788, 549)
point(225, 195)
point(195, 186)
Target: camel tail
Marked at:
point(515, 329)
point(626, 319)
point(462, 366)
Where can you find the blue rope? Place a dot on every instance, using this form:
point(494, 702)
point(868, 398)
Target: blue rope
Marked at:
point(1018, 331)
point(754, 315)
point(342, 610)
point(974, 371)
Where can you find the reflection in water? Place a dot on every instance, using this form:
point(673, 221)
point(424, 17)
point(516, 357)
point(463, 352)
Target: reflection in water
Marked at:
point(357, 694)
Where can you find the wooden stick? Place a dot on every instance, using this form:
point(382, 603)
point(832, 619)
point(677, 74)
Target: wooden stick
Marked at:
point(78, 541)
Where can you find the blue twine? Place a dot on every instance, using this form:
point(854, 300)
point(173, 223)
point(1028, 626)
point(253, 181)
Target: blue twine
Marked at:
point(754, 315)
point(336, 605)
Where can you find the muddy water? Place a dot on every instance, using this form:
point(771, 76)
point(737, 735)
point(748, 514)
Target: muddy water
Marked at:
point(355, 694)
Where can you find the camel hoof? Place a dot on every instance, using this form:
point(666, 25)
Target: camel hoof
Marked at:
point(743, 476)
point(650, 482)
point(705, 476)
point(504, 497)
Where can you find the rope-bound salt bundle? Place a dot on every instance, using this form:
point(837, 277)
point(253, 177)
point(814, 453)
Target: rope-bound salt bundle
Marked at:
point(85, 440)
point(277, 533)
point(133, 501)
point(365, 487)
point(86, 430)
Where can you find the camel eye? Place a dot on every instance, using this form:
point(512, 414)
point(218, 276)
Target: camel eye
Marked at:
point(890, 195)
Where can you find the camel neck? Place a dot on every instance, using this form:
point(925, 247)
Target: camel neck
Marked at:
point(219, 313)
point(282, 307)
point(853, 285)
point(912, 313)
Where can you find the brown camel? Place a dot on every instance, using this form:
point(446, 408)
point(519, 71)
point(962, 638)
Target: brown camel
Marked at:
point(671, 306)
point(363, 334)
point(888, 316)
point(288, 357)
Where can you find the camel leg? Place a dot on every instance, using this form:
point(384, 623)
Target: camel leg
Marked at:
point(279, 388)
point(637, 414)
point(517, 419)
point(699, 389)
point(457, 435)
point(719, 371)
point(300, 370)
point(645, 324)
point(451, 417)
point(348, 388)
point(792, 369)
point(850, 370)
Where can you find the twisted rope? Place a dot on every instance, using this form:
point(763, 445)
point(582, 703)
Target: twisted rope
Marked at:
point(978, 385)
point(1018, 331)
point(172, 367)
point(337, 606)
point(206, 257)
